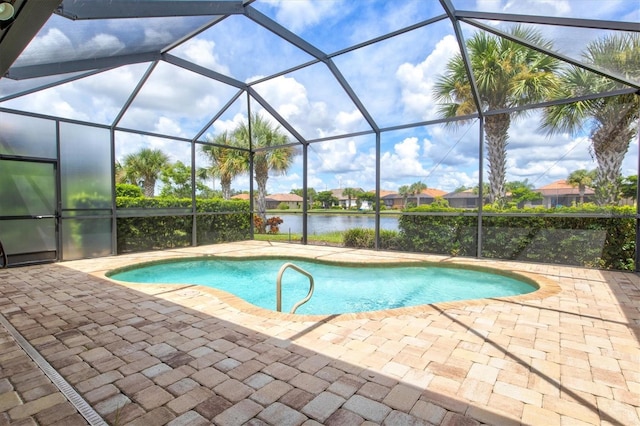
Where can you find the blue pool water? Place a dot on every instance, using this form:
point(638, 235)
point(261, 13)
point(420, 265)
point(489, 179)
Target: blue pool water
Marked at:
point(338, 288)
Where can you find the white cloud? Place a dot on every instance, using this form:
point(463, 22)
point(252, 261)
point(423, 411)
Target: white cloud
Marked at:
point(417, 81)
point(337, 156)
point(53, 40)
point(348, 120)
point(404, 161)
point(166, 126)
point(178, 95)
point(286, 95)
point(283, 184)
point(202, 52)
point(312, 118)
point(55, 102)
point(550, 160)
point(100, 43)
point(158, 35)
point(221, 126)
point(301, 14)
point(453, 179)
point(527, 7)
point(551, 7)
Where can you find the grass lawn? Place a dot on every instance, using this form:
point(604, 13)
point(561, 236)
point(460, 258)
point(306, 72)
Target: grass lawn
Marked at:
point(333, 238)
point(275, 212)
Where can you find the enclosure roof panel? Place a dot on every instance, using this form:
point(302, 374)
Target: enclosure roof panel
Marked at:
point(321, 68)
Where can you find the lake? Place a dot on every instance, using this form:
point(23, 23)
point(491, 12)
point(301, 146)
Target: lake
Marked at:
point(323, 223)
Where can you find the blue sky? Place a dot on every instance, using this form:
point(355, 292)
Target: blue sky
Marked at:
point(394, 79)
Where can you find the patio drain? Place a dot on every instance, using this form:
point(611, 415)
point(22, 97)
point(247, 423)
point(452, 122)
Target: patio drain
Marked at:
point(65, 388)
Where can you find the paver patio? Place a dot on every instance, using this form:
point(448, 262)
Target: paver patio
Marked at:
point(186, 355)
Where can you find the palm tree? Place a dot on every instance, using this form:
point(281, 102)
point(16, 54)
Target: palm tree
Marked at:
point(507, 75)
point(612, 121)
point(416, 189)
point(404, 191)
point(581, 178)
point(350, 193)
point(271, 156)
point(144, 167)
point(121, 173)
point(311, 194)
point(226, 163)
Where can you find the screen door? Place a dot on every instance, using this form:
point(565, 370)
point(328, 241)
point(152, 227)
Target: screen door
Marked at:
point(28, 213)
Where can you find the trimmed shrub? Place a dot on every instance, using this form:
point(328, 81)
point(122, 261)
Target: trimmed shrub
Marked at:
point(359, 238)
point(366, 238)
point(128, 190)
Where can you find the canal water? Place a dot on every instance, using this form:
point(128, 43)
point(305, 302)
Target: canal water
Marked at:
point(321, 223)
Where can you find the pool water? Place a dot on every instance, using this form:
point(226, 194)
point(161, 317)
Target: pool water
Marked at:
point(338, 288)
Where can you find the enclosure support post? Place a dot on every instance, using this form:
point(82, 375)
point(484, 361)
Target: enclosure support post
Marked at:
point(637, 252)
point(305, 196)
point(114, 206)
point(251, 154)
point(480, 184)
point(194, 221)
point(377, 213)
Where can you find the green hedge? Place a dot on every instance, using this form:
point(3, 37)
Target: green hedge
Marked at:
point(365, 238)
point(222, 220)
point(450, 235)
point(603, 242)
point(218, 220)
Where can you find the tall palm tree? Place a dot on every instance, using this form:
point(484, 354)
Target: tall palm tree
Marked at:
point(507, 74)
point(270, 157)
point(226, 163)
point(581, 178)
point(144, 167)
point(611, 122)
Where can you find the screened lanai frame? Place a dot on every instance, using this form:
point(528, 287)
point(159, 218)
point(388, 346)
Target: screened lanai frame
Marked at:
point(213, 12)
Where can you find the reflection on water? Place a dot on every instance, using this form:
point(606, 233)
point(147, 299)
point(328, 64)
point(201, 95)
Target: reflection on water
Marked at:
point(321, 223)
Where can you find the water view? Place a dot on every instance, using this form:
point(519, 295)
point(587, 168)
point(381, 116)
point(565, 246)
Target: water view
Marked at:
point(323, 223)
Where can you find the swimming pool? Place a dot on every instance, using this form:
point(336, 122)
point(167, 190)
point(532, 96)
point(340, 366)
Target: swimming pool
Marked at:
point(339, 287)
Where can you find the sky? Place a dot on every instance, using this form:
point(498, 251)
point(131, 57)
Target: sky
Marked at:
point(394, 79)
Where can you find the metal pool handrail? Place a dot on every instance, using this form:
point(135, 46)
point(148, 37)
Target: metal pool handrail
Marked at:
point(279, 287)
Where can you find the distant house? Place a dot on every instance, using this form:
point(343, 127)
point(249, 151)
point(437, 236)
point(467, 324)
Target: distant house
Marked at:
point(466, 199)
point(389, 199)
point(560, 193)
point(427, 196)
point(343, 200)
point(292, 201)
point(393, 200)
point(273, 201)
point(240, 197)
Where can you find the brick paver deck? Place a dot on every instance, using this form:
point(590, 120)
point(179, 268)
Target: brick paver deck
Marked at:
point(186, 355)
